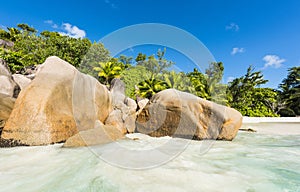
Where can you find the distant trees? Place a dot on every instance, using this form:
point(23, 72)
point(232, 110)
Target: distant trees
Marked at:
point(289, 95)
point(156, 67)
point(245, 95)
point(32, 48)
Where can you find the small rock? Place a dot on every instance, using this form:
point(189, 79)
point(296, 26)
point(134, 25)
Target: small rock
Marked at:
point(21, 80)
point(248, 130)
point(4, 69)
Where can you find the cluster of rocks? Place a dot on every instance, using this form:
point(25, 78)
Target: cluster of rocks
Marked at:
point(57, 103)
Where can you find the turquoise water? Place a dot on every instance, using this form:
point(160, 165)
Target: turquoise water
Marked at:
point(252, 162)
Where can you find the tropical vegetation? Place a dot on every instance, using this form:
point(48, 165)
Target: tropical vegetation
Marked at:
point(146, 75)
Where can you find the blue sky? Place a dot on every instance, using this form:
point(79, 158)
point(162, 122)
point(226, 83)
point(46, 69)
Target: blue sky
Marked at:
point(264, 33)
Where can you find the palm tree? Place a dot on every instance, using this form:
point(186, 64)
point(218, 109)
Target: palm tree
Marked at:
point(199, 82)
point(109, 70)
point(179, 81)
point(150, 87)
point(290, 93)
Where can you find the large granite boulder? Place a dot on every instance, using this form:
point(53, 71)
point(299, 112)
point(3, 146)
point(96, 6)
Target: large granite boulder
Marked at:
point(179, 114)
point(101, 134)
point(56, 105)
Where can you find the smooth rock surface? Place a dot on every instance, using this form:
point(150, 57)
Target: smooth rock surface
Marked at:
point(4, 70)
point(100, 135)
point(141, 104)
point(6, 106)
point(21, 80)
point(7, 86)
point(115, 119)
point(178, 114)
point(56, 105)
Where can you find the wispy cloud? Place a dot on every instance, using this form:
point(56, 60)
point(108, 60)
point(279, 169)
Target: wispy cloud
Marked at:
point(236, 50)
point(110, 3)
point(230, 79)
point(50, 22)
point(72, 31)
point(233, 27)
point(3, 27)
point(273, 61)
point(67, 29)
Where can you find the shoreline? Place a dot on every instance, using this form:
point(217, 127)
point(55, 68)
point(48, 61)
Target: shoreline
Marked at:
point(273, 125)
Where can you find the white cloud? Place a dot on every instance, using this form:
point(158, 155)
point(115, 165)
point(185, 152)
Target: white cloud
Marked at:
point(109, 2)
point(67, 29)
point(72, 31)
point(236, 50)
point(233, 27)
point(273, 61)
point(50, 22)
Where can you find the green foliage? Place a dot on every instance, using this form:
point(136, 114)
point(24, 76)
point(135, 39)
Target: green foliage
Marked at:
point(97, 53)
point(245, 96)
point(215, 89)
point(155, 65)
point(150, 87)
point(178, 81)
point(132, 76)
point(31, 48)
point(140, 58)
point(107, 71)
point(26, 28)
point(199, 83)
point(290, 93)
point(146, 75)
point(126, 60)
point(208, 85)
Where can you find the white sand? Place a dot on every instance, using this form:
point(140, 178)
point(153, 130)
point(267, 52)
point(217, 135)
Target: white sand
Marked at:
point(273, 125)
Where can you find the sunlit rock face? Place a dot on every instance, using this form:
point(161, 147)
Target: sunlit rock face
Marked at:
point(6, 106)
point(7, 85)
point(8, 90)
point(101, 134)
point(124, 114)
point(56, 105)
point(179, 114)
point(21, 80)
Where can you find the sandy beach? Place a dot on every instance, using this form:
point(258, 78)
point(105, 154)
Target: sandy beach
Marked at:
point(273, 125)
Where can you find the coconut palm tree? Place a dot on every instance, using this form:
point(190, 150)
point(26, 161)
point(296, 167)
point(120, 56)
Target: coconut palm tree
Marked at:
point(290, 93)
point(150, 87)
point(178, 81)
point(109, 70)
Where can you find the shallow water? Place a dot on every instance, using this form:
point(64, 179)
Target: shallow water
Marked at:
point(252, 162)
